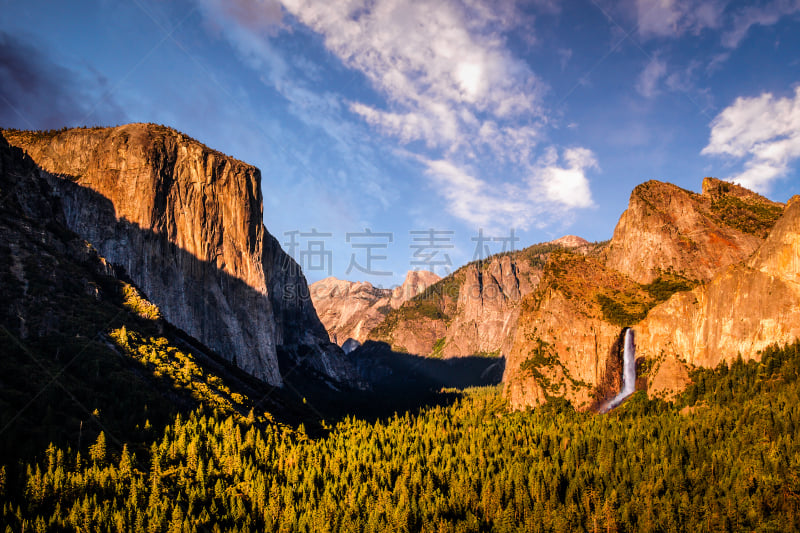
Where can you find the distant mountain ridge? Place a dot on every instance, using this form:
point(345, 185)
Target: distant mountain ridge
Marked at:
point(350, 309)
point(557, 310)
point(474, 310)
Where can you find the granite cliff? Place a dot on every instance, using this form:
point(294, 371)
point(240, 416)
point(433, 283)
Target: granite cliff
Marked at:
point(669, 229)
point(185, 223)
point(349, 309)
point(668, 241)
point(474, 310)
point(568, 340)
point(740, 311)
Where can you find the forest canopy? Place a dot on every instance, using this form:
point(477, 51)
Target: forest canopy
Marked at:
point(723, 456)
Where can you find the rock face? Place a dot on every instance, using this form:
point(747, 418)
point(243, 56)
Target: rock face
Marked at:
point(568, 340)
point(185, 222)
point(669, 229)
point(415, 284)
point(473, 311)
point(564, 345)
point(742, 310)
point(349, 309)
point(487, 309)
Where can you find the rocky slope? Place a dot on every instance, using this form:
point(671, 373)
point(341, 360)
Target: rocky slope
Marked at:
point(185, 223)
point(566, 343)
point(666, 242)
point(349, 310)
point(743, 309)
point(474, 310)
point(669, 229)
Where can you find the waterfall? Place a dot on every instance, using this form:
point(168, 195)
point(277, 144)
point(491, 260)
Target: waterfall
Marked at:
point(628, 373)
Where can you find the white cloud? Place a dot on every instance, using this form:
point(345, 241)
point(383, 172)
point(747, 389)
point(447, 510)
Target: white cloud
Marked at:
point(764, 131)
point(248, 26)
point(453, 91)
point(451, 83)
point(552, 186)
point(476, 201)
point(431, 57)
point(565, 185)
point(647, 83)
point(764, 15)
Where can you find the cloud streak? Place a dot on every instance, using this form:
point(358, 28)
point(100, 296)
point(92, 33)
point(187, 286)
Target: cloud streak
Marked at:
point(649, 79)
point(437, 63)
point(763, 132)
point(553, 184)
point(453, 88)
point(763, 15)
point(674, 18)
point(248, 26)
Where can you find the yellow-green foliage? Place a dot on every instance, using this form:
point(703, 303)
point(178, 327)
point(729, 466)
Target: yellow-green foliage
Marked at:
point(626, 308)
point(438, 347)
point(728, 463)
point(182, 370)
point(133, 301)
point(748, 216)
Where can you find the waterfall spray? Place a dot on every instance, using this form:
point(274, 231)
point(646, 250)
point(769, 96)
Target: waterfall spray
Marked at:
point(628, 373)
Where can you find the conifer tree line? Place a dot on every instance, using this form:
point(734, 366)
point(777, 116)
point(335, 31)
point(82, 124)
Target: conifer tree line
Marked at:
point(722, 457)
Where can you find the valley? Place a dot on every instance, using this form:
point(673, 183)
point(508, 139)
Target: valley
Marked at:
point(166, 366)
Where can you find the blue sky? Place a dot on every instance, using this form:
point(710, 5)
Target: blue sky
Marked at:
point(399, 117)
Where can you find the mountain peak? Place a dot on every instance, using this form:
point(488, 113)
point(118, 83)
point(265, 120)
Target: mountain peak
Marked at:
point(716, 188)
point(667, 228)
point(415, 283)
point(350, 309)
point(570, 241)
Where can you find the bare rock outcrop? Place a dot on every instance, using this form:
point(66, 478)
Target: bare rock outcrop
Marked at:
point(669, 229)
point(742, 310)
point(415, 284)
point(185, 223)
point(351, 309)
point(488, 307)
point(474, 310)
